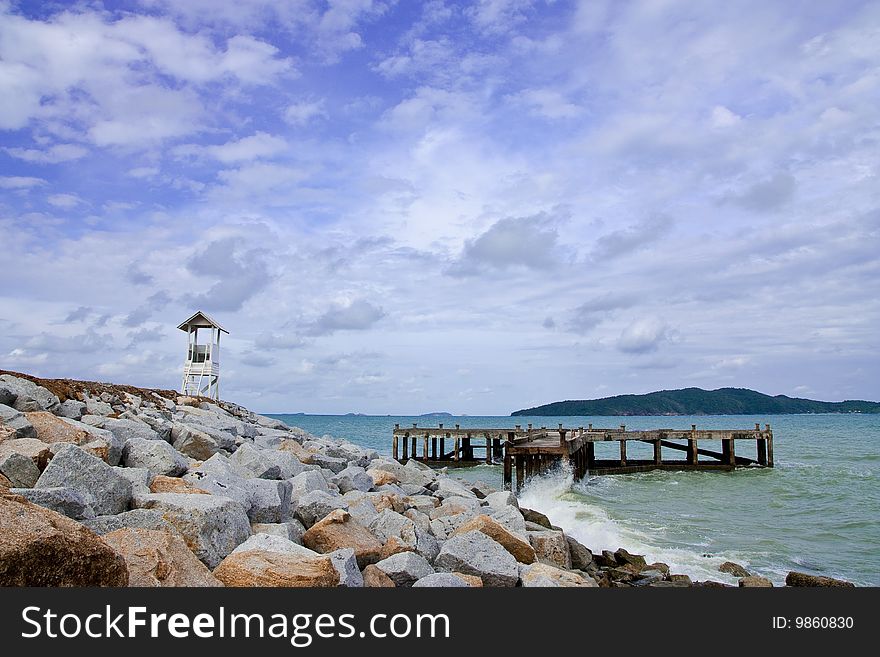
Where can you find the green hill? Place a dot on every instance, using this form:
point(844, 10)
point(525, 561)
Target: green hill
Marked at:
point(696, 401)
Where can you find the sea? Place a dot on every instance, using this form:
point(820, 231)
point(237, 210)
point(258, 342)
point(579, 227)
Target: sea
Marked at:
point(816, 511)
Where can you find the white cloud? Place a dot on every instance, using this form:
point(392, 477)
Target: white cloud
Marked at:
point(64, 201)
point(51, 155)
point(256, 146)
point(643, 335)
point(20, 182)
point(304, 112)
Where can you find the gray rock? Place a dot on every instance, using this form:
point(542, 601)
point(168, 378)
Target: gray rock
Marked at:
point(269, 422)
point(251, 463)
point(444, 526)
point(274, 543)
point(412, 489)
point(15, 420)
point(333, 463)
point(65, 501)
point(193, 442)
point(134, 519)
point(71, 408)
point(353, 478)
point(449, 487)
point(126, 429)
point(71, 467)
point(7, 394)
point(405, 568)
point(346, 565)
point(404, 475)
point(140, 479)
point(212, 526)
point(512, 520)
point(28, 395)
point(306, 482)
point(440, 580)
point(551, 547)
point(157, 456)
point(287, 463)
point(114, 444)
point(423, 503)
point(363, 511)
point(97, 407)
point(648, 577)
point(217, 477)
point(390, 524)
point(292, 530)
point(21, 470)
point(501, 499)
point(474, 553)
point(581, 556)
point(313, 506)
point(270, 500)
point(161, 425)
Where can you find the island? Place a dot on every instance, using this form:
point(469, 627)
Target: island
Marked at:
point(696, 401)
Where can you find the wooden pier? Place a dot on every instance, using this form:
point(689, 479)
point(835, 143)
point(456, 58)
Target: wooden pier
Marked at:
point(532, 451)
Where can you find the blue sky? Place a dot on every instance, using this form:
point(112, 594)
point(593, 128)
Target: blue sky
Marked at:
point(462, 206)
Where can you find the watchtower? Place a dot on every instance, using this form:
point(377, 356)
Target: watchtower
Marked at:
point(201, 371)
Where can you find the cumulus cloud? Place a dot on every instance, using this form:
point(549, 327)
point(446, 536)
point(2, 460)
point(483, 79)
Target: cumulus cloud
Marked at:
point(640, 235)
point(591, 313)
point(258, 145)
point(766, 195)
point(153, 304)
point(302, 113)
point(643, 335)
point(240, 273)
point(51, 155)
point(528, 242)
point(358, 315)
point(20, 182)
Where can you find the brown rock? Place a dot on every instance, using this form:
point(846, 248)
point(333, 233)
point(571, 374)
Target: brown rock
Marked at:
point(36, 450)
point(623, 558)
point(6, 433)
point(188, 401)
point(381, 477)
point(394, 545)
point(375, 578)
point(39, 547)
point(163, 484)
point(300, 452)
point(542, 574)
point(680, 578)
point(605, 559)
point(263, 568)
point(339, 530)
point(159, 558)
point(5, 484)
point(551, 547)
point(659, 565)
point(51, 429)
point(474, 581)
point(537, 517)
point(382, 501)
point(734, 569)
point(795, 578)
point(520, 549)
point(754, 581)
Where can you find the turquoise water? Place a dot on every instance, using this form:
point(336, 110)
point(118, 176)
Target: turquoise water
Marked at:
point(816, 511)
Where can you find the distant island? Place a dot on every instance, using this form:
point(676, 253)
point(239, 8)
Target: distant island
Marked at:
point(696, 401)
point(437, 414)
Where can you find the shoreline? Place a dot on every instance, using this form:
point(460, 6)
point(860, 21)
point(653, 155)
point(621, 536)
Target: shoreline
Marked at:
point(224, 496)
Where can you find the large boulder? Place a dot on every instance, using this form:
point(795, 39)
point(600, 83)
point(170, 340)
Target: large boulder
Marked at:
point(107, 491)
point(264, 568)
point(14, 419)
point(376, 579)
point(551, 547)
point(581, 556)
point(53, 430)
point(65, 501)
point(251, 463)
point(545, 575)
point(288, 465)
point(211, 526)
point(313, 506)
point(392, 525)
point(474, 553)
point(19, 469)
point(159, 558)
point(134, 519)
point(306, 482)
point(36, 450)
point(501, 499)
point(521, 550)
point(269, 500)
point(292, 530)
point(39, 547)
point(353, 478)
point(163, 484)
point(28, 395)
point(733, 568)
point(795, 578)
point(71, 408)
point(157, 456)
point(126, 429)
point(193, 442)
point(405, 568)
point(339, 530)
point(449, 487)
point(440, 580)
point(345, 563)
point(217, 477)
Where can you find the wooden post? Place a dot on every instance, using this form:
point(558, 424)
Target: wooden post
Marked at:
point(443, 445)
point(658, 459)
point(591, 456)
point(692, 446)
point(769, 447)
point(508, 467)
point(406, 447)
point(728, 453)
point(414, 439)
point(488, 450)
point(455, 454)
point(394, 448)
point(762, 451)
point(622, 452)
point(562, 433)
point(425, 447)
point(520, 476)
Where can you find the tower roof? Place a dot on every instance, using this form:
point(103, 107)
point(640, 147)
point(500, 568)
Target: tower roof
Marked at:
point(199, 320)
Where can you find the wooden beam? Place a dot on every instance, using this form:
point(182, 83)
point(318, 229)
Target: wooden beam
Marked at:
point(658, 458)
point(622, 452)
point(762, 450)
point(508, 474)
point(394, 448)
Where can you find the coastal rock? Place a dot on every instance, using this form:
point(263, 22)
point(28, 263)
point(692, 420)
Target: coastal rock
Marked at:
point(536, 517)
point(422, 503)
point(159, 558)
point(15, 420)
point(274, 543)
point(253, 464)
point(403, 474)
point(345, 563)
point(680, 578)
point(54, 430)
point(134, 519)
point(66, 501)
point(405, 568)
point(449, 487)
point(306, 482)
point(288, 465)
point(474, 553)
point(163, 484)
point(754, 581)
point(444, 526)
point(28, 395)
point(313, 506)
point(353, 478)
point(502, 499)
point(71, 408)
point(381, 477)
point(19, 469)
point(734, 569)
point(545, 575)
point(211, 526)
point(795, 578)
point(127, 429)
point(39, 547)
point(140, 479)
point(440, 580)
point(36, 450)
point(292, 530)
point(97, 407)
point(521, 550)
point(551, 547)
point(269, 500)
point(193, 442)
point(512, 519)
point(260, 568)
point(390, 524)
point(217, 477)
point(71, 467)
point(376, 578)
point(581, 556)
point(339, 530)
point(157, 456)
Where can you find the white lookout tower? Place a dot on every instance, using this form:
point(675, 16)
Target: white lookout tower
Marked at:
point(201, 371)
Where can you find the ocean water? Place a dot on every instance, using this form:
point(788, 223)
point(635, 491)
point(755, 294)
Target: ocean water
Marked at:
point(817, 511)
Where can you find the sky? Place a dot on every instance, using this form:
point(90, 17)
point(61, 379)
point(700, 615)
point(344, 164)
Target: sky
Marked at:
point(471, 207)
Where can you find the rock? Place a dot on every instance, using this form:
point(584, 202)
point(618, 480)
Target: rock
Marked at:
point(345, 563)
point(140, 479)
point(313, 506)
point(795, 578)
point(28, 395)
point(71, 408)
point(159, 558)
point(163, 484)
point(252, 464)
point(332, 463)
point(97, 407)
point(288, 465)
point(39, 547)
point(353, 478)
point(581, 556)
point(7, 395)
point(444, 526)
point(270, 500)
point(363, 511)
point(502, 499)
point(545, 575)
point(259, 568)
point(449, 487)
point(405, 568)
point(376, 578)
point(511, 518)
point(471, 580)
point(734, 569)
point(54, 430)
point(521, 550)
point(306, 482)
point(15, 420)
point(217, 477)
point(551, 547)
point(36, 450)
point(403, 474)
point(423, 503)
point(269, 422)
point(193, 442)
point(5, 484)
point(71, 467)
point(657, 565)
point(134, 519)
point(126, 429)
point(421, 520)
point(648, 577)
point(754, 581)
point(157, 456)
point(536, 517)
point(292, 530)
point(19, 469)
point(274, 543)
point(390, 524)
point(440, 580)
point(474, 553)
point(211, 526)
point(382, 477)
point(65, 501)
point(680, 578)
point(606, 559)
point(339, 530)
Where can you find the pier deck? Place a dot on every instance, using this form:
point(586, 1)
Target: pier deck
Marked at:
point(531, 451)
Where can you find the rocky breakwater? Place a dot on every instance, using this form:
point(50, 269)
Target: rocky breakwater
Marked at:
point(113, 485)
